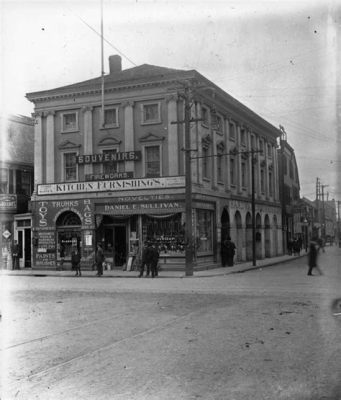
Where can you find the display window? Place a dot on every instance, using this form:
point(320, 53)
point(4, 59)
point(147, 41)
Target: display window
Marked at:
point(204, 231)
point(166, 232)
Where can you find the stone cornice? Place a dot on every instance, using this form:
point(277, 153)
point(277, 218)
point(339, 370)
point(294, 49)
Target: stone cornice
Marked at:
point(128, 103)
point(87, 108)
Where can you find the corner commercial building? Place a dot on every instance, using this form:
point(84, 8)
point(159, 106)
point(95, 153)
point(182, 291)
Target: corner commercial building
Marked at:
point(116, 174)
point(16, 187)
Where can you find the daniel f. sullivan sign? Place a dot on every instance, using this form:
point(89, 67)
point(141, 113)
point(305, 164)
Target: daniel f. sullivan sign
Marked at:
point(112, 186)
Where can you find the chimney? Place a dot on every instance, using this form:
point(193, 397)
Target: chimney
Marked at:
point(115, 64)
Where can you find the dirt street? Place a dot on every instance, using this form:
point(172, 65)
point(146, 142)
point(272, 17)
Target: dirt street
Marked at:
point(263, 334)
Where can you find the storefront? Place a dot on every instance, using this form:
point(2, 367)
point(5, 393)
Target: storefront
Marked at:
point(120, 221)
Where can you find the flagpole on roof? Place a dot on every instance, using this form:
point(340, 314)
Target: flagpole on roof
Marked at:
point(102, 66)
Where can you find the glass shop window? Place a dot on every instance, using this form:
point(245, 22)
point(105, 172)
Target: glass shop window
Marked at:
point(204, 231)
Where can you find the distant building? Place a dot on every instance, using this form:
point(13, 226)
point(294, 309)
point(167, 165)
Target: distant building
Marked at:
point(117, 175)
point(16, 186)
point(289, 191)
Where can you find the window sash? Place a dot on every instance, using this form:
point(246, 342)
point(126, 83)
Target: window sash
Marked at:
point(70, 167)
point(69, 121)
point(111, 167)
point(152, 161)
point(110, 116)
point(151, 112)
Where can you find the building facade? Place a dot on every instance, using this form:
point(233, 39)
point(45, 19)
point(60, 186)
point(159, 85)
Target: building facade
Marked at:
point(114, 172)
point(16, 187)
point(289, 191)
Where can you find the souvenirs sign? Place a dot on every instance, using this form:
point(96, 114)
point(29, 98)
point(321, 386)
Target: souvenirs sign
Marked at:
point(109, 157)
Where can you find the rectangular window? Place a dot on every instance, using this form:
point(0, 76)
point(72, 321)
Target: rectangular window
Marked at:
point(3, 180)
point(270, 184)
point(285, 165)
point(232, 130)
point(151, 113)
point(244, 175)
point(261, 146)
point(23, 182)
point(110, 167)
point(70, 167)
point(243, 137)
point(152, 161)
point(269, 150)
point(205, 173)
point(204, 231)
point(69, 122)
point(219, 167)
point(262, 181)
point(253, 143)
point(204, 115)
point(218, 124)
point(111, 117)
point(232, 171)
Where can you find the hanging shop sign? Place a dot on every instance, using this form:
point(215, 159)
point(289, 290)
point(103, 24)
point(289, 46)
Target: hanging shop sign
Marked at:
point(113, 185)
point(109, 157)
point(140, 208)
point(8, 202)
point(114, 175)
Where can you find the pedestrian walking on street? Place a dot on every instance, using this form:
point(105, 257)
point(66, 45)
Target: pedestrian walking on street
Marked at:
point(99, 260)
point(145, 261)
point(62, 255)
point(15, 255)
point(154, 259)
point(230, 249)
point(76, 261)
point(312, 257)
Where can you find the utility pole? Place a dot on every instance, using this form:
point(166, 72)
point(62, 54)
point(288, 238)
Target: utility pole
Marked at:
point(253, 208)
point(323, 231)
point(188, 177)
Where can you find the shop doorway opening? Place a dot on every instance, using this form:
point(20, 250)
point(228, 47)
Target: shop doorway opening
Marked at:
point(113, 236)
point(68, 233)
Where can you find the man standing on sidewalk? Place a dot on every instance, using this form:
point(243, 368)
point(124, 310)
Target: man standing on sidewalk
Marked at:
point(99, 260)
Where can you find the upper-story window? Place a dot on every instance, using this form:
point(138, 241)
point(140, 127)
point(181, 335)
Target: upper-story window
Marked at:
point(111, 117)
point(3, 180)
point(23, 182)
point(233, 172)
point(243, 137)
point(261, 146)
point(291, 170)
point(218, 123)
point(270, 184)
point(285, 165)
point(70, 167)
point(152, 164)
point(262, 181)
point(253, 142)
point(244, 174)
point(151, 113)
point(69, 121)
point(110, 167)
point(232, 131)
point(205, 169)
point(204, 115)
point(269, 150)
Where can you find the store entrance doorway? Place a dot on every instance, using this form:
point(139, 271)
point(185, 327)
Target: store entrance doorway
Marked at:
point(115, 244)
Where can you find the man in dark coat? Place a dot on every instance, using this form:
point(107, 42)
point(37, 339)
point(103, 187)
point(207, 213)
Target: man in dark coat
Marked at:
point(76, 261)
point(154, 259)
point(99, 260)
point(229, 249)
point(15, 255)
point(146, 259)
point(312, 257)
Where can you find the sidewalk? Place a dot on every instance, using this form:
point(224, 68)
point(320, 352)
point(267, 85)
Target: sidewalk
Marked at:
point(237, 268)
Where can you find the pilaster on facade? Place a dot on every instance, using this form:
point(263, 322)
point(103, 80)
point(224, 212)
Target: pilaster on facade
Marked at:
point(88, 136)
point(129, 131)
point(258, 171)
point(173, 143)
point(199, 145)
point(38, 148)
point(50, 148)
point(228, 149)
point(239, 160)
point(276, 174)
point(250, 161)
point(267, 183)
point(214, 164)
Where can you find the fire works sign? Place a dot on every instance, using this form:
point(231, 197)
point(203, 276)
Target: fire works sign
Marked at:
point(109, 157)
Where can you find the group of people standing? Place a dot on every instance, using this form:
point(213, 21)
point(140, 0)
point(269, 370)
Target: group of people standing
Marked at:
point(295, 246)
point(150, 259)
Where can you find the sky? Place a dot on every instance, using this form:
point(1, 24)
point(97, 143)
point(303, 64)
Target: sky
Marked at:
point(279, 58)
